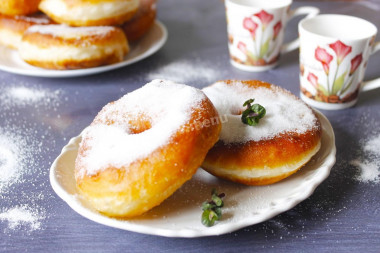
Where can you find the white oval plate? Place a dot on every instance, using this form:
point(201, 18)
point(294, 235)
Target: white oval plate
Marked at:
point(152, 41)
point(180, 214)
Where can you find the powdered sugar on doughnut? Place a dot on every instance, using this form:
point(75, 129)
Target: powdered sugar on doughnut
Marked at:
point(165, 104)
point(284, 112)
point(68, 32)
point(37, 19)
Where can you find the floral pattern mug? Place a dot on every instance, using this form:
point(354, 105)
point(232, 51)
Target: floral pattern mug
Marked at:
point(334, 51)
point(256, 29)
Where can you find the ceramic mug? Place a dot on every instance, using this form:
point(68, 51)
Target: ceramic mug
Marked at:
point(334, 51)
point(256, 30)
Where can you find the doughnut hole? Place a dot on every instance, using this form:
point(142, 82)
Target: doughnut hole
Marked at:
point(137, 126)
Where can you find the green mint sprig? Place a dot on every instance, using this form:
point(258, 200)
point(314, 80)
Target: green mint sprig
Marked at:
point(253, 113)
point(212, 210)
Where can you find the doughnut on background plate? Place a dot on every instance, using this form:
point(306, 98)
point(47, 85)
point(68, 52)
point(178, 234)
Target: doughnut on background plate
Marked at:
point(19, 7)
point(179, 215)
point(90, 12)
point(12, 28)
point(64, 47)
point(142, 21)
point(153, 40)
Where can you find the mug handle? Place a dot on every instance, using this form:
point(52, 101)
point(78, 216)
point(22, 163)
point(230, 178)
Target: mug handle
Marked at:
point(375, 83)
point(305, 10)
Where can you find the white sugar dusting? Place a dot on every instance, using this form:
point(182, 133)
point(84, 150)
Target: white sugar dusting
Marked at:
point(373, 146)
point(13, 158)
point(36, 19)
point(164, 104)
point(369, 164)
point(22, 216)
point(284, 113)
point(186, 71)
point(26, 96)
point(70, 32)
point(20, 147)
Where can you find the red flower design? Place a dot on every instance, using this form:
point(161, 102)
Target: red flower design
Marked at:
point(324, 57)
point(341, 50)
point(250, 26)
point(313, 79)
point(276, 29)
point(355, 62)
point(242, 47)
point(264, 17)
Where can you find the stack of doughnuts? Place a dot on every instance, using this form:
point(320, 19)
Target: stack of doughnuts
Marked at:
point(141, 148)
point(65, 43)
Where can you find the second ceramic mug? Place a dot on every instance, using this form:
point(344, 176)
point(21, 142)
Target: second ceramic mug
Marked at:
point(334, 51)
point(256, 29)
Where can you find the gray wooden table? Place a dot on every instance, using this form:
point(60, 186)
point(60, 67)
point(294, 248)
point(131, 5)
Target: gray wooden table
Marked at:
point(342, 215)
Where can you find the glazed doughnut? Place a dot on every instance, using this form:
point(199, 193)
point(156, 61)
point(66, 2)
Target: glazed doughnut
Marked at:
point(18, 7)
point(90, 12)
point(284, 140)
point(142, 21)
point(143, 147)
point(62, 47)
point(12, 28)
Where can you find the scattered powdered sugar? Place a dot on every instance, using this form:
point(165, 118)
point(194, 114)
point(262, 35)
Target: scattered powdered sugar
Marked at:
point(22, 216)
point(369, 163)
point(164, 105)
point(373, 146)
point(21, 143)
point(13, 158)
point(186, 71)
point(283, 112)
point(26, 96)
point(369, 170)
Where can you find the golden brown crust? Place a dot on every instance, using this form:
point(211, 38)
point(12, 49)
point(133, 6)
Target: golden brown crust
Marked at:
point(85, 39)
point(271, 153)
point(285, 149)
point(71, 64)
point(116, 15)
point(116, 20)
point(152, 180)
point(18, 7)
point(17, 25)
point(142, 21)
point(101, 44)
point(21, 23)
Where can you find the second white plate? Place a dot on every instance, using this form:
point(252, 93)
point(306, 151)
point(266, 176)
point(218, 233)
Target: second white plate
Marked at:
point(180, 215)
point(155, 38)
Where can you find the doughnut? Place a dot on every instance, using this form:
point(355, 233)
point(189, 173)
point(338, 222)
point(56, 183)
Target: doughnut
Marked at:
point(90, 12)
point(12, 28)
point(284, 140)
point(62, 47)
point(143, 147)
point(18, 7)
point(142, 21)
